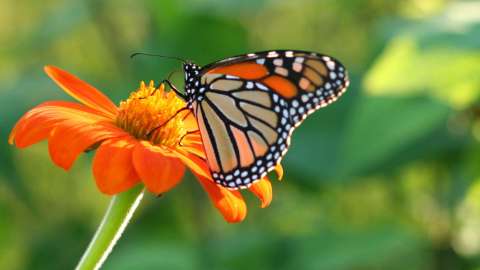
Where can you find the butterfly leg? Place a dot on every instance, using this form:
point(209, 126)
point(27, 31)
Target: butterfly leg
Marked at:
point(186, 134)
point(168, 120)
point(152, 93)
point(174, 88)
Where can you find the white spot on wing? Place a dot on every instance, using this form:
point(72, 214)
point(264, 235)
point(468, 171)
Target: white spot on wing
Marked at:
point(272, 54)
point(282, 71)
point(330, 64)
point(261, 86)
point(275, 98)
point(297, 67)
point(299, 59)
point(304, 98)
point(261, 61)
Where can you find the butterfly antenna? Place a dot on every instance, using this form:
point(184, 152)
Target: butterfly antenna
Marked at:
point(171, 74)
point(158, 55)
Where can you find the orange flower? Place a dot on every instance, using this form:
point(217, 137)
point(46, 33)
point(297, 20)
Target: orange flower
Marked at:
point(146, 139)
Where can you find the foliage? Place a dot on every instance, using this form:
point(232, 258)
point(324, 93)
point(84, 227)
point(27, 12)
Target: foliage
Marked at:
point(386, 178)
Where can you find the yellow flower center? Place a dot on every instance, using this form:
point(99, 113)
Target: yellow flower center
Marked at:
point(147, 115)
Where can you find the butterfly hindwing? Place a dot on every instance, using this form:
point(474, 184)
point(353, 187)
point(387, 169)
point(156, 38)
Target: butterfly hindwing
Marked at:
point(243, 136)
point(247, 107)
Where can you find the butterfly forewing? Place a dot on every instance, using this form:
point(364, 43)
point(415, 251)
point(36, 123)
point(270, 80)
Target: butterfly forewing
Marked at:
point(250, 104)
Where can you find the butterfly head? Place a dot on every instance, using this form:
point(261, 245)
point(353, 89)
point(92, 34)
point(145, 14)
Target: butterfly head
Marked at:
point(192, 81)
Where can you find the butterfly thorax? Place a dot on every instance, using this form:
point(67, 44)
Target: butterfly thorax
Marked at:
point(192, 83)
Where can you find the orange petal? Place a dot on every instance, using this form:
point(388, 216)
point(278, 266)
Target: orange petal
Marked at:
point(36, 124)
point(279, 171)
point(229, 202)
point(196, 164)
point(112, 166)
point(158, 172)
point(29, 130)
point(82, 91)
point(71, 138)
point(263, 190)
point(190, 122)
point(192, 143)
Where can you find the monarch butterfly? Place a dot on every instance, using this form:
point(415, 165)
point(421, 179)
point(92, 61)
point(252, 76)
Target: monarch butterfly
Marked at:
point(247, 107)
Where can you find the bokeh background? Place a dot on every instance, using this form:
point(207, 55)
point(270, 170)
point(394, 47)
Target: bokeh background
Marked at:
point(386, 178)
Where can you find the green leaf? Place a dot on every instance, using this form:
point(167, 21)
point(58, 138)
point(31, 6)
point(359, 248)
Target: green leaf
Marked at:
point(433, 59)
point(374, 248)
point(383, 128)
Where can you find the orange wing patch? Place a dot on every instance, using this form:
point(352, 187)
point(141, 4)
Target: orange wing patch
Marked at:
point(246, 155)
point(259, 146)
point(281, 86)
point(247, 70)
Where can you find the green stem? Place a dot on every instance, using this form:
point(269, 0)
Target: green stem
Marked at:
point(119, 212)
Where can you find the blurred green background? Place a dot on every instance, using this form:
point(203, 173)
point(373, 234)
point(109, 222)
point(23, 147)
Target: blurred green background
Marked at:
point(386, 178)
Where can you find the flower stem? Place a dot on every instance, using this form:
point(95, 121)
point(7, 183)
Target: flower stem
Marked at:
point(119, 212)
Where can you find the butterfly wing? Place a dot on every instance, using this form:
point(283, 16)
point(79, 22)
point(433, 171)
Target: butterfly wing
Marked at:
point(251, 105)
